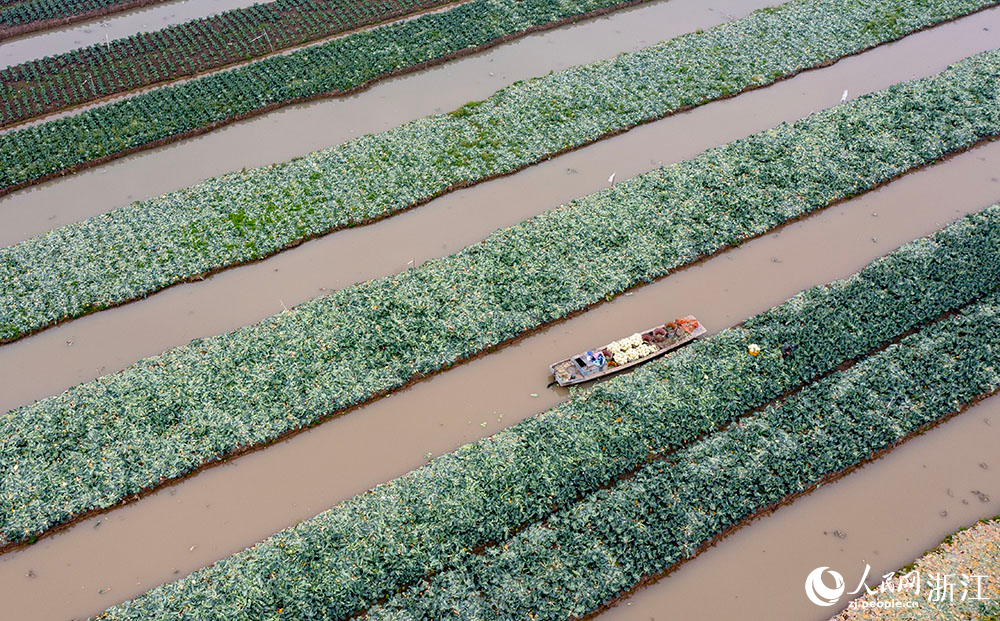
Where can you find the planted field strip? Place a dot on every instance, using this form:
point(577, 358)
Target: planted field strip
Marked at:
point(196, 404)
point(786, 40)
point(586, 556)
point(785, 545)
point(342, 66)
point(107, 342)
point(242, 217)
point(578, 446)
point(353, 62)
point(33, 15)
point(434, 516)
point(238, 506)
point(84, 74)
point(298, 130)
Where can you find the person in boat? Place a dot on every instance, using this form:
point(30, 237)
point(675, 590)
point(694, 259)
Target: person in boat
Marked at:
point(597, 359)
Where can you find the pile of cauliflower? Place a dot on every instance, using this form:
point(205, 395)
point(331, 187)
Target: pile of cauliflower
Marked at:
point(629, 349)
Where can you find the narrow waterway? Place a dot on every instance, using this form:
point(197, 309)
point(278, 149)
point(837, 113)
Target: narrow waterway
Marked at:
point(107, 559)
point(884, 515)
point(127, 94)
point(108, 341)
point(296, 130)
point(115, 26)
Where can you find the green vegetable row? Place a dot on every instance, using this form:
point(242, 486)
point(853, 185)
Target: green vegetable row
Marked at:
point(63, 456)
point(131, 252)
point(587, 555)
point(18, 18)
point(346, 63)
point(54, 82)
point(432, 517)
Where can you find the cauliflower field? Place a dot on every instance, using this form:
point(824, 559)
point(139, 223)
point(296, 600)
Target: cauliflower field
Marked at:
point(587, 494)
point(131, 252)
point(198, 403)
point(435, 517)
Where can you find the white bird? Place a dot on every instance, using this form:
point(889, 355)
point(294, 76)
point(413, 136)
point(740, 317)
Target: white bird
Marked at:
point(843, 97)
point(611, 179)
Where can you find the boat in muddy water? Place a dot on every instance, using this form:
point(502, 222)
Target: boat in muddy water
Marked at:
point(627, 352)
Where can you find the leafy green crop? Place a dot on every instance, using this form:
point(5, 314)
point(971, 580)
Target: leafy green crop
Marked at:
point(18, 18)
point(54, 82)
point(588, 554)
point(196, 403)
point(131, 252)
point(764, 47)
point(433, 517)
point(338, 66)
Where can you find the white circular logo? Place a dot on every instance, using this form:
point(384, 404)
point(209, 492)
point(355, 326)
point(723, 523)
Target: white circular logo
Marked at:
point(820, 594)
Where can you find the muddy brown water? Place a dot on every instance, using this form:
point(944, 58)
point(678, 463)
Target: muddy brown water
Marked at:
point(146, 19)
point(105, 560)
point(296, 130)
point(110, 558)
point(282, 52)
point(108, 341)
point(884, 515)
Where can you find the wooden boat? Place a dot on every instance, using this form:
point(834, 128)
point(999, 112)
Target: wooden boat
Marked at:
point(626, 353)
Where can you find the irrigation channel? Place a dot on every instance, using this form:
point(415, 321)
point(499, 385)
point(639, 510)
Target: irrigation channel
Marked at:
point(296, 130)
point(70, 111)
point(885, 515)
point(110, 558)
point(81, 34)
point(105, 342)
